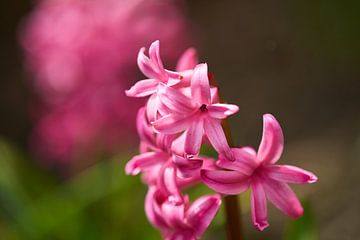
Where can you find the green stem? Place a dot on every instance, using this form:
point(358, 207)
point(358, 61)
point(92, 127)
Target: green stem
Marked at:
point(232, 204)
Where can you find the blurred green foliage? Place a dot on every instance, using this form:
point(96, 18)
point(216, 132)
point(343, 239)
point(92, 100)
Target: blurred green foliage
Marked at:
point(100, 202)
point(303, 228)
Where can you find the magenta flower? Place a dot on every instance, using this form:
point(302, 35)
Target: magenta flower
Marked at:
point(259, 172)
point(196, 115)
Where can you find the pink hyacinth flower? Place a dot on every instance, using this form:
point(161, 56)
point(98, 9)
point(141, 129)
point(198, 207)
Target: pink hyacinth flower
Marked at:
point(259, 172)
point(152, 68)
point(181, 221)
point(196, 115)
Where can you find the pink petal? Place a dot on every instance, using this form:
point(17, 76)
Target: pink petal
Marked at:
point(178, 145)
point(188, 60)
point(185, 78)
point(154, 218)
point(174, 77)
point(143, 147)
point(169, 184)
point(200, 87)
point(144, 161)
point(152, 107)
point(175, 100)
point(243, 162)
point(226, 182)
point(194, 135)
point(216, 136)
point(164, 141)
point(173, 214)
point(289, 174)
point(281, 195)
point(221, 110)
point(272, 142)
point(214, 91)
point(144, 130)
point(172, 124)
point(187, 167)
point(151, 175)
point(146, 66)
point(143, 88)
point(258, 206)
point(154, 53)
point(202, 212)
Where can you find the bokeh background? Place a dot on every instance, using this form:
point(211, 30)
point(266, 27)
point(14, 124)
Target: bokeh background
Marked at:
point(298, 60)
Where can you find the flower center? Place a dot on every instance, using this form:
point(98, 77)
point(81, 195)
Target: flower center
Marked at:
point(203, 108)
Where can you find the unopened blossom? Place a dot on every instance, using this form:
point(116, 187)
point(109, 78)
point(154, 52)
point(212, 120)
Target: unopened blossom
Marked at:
point(180, 220)
point(196, 114)
point(259, 172)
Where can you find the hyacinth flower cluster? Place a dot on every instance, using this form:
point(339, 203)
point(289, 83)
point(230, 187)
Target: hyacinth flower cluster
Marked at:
point(183, 112)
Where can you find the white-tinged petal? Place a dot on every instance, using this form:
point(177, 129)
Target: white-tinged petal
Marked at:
point(146, 66)
point(221, 110)
point(216, 135)
point(172, 124)
point(272, 142)
point(200, 86)
point(289, 174)
point(193, 139)
point(145, 161)
point(143, 88)
point(175, 100)
point(202, 212)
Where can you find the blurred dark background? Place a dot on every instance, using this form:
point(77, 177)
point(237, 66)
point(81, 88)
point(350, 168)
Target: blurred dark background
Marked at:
point(298, 60)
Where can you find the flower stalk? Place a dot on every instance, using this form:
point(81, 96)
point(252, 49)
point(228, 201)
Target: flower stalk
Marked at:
point(234, 229)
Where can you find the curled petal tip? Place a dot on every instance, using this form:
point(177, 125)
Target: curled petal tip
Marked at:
point(261, 225)
point(298, 213)
point(312, 179)
point(131, 169)
point(156, 42)
point(130, 93)
point(269, 116)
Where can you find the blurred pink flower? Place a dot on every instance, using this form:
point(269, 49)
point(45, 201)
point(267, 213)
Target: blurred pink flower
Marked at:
point(82, 55)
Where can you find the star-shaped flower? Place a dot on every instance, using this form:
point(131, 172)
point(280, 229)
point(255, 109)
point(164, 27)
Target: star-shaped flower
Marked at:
point(259, 172)
point(196, 115)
